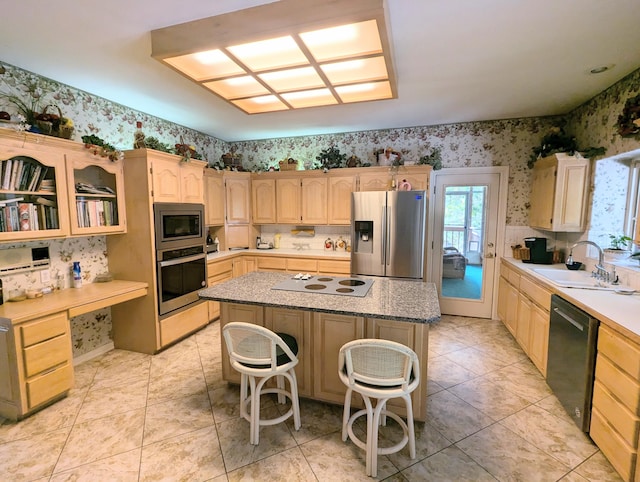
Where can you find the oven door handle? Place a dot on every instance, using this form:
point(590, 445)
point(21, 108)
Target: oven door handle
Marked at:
point(186, 259)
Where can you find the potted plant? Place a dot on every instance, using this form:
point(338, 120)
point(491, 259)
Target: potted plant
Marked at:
point(331, 158)
point(618, 247)
point(556, 141)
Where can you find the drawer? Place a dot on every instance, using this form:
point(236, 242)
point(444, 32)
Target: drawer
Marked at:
point(276, 264)
point(621, 352)
point(49, 385)
point(219, 278)
point(43, 328)
point(625, 388)
point(621, 456)
point(504, 271)
point(616, 414)
point(513, 277)
point(332, 266)
point(303, 265)
point(218, 267)
point(45, 355)
point(183, 323)
point(536, 293)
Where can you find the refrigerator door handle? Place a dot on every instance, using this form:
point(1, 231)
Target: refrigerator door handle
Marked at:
point(387, 236)
point(384, 236)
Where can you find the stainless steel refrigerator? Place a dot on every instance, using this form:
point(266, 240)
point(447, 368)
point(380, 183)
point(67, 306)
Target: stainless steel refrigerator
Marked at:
point(388, 233)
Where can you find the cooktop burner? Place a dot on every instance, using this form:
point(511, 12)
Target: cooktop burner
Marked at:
point(332, 285)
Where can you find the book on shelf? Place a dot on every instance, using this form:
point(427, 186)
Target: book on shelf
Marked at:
point(24, 216)
point(6, 173)
point(4, 202)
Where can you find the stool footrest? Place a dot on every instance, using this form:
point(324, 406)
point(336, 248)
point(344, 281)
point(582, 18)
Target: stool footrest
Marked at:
point(381, 450)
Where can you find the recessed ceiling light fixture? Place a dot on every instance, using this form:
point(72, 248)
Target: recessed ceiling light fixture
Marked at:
point(285, 55)
point(601, 69)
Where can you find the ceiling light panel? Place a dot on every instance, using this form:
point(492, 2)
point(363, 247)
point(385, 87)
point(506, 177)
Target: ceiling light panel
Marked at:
point(360, 70)
point(310, 98)
point(209, 64)
point(270, 54)
point(286, 54)
point(293, 79)
point(344, 41)
point(237, 87)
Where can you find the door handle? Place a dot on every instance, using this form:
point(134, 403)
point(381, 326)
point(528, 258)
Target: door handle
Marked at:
point(489, 255)
point(490, 245)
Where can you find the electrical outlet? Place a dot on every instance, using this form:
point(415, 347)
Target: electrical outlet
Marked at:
point(45, 276)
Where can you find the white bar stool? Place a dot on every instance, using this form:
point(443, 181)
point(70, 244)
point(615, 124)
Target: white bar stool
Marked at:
point(259, 354)
point(378, 369)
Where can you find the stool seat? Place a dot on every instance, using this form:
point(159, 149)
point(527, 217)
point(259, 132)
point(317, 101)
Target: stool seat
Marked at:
point(259, 354)
point(379, 370)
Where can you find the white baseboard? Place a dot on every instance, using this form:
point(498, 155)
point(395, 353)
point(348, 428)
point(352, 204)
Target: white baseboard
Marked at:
point(101, 350)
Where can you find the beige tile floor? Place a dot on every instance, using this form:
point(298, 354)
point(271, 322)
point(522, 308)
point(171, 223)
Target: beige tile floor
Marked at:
point(170, 417)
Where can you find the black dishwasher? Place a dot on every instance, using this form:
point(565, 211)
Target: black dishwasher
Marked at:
point(571, 359)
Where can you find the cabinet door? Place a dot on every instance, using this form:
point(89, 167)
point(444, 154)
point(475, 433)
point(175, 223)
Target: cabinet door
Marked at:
point(264, 201)
point(236, 312)
point(330, 332)
point(192, 182)
point(166, 180)
point(539, 338)
point(340, 189)
point(314, 200)
point(288, 196)
point(33, 195)
point(238, 199)
point(214, 198)
point(377, 181)
point(93, 212)
point(524, 322)
point(419, 180)
point(296, 323)
point(571, 195)
point(511, 318)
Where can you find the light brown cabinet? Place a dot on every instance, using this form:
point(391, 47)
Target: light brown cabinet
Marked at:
point(314, 200)
point(236, 312)
point(238, 197)
point(264, 201)
point(289, 198)
point(615, 417)
point(559, 192)
point(339, 203)
point(175, 181)
point(218, 272)
point(214, 210)
point(36, 364)
point(95, 212)
point(523, 307)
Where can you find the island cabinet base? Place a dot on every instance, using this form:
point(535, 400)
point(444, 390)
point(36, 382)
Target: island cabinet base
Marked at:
point(320, 337)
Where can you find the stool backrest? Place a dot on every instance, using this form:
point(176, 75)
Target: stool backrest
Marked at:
point(381, 363)
point(255, 345)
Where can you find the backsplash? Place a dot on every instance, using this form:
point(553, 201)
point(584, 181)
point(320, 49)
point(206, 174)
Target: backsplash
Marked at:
point(288, 240)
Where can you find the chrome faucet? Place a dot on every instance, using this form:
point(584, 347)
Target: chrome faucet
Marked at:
point(601, 273)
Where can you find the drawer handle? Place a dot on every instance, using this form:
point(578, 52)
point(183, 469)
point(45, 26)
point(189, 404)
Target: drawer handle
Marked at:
point(3, 329)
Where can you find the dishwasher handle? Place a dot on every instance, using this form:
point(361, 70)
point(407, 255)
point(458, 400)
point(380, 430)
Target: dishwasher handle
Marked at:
point(575, 323)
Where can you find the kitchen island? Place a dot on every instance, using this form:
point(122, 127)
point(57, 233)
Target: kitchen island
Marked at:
point(321, 323)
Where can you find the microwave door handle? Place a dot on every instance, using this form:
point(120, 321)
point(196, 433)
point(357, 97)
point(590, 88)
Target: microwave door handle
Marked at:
point(186, 259)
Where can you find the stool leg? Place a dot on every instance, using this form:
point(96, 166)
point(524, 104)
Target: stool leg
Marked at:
point(345, 414)
point(295, 402)
point(410, 427)
point(372, 439)
point(254, 436)
point(280, 385)
point(243, 396)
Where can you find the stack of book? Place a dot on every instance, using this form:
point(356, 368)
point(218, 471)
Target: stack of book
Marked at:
point(97, 212)
point(18, 215)
point(22, 173)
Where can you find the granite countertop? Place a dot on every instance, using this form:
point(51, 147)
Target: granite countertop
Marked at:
point(613, 309)
point(288, 252)
point(390, 299)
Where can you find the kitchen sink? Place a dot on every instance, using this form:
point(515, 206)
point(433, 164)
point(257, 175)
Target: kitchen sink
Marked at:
point(573, 279)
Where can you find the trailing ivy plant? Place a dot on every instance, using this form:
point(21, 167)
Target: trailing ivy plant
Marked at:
point(556, 141)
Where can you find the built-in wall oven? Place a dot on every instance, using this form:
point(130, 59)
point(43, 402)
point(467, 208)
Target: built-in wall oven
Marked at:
point(181, 258)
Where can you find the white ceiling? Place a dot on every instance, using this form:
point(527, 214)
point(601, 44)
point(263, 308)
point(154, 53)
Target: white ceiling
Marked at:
point(455, 60)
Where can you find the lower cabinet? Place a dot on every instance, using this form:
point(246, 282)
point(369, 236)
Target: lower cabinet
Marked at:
point(523, 307)
point(184, 322)
point(37, 364)
point(320, 337)
point(615, 418)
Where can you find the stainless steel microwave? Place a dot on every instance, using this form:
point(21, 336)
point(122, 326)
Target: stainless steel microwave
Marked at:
point(178, 225)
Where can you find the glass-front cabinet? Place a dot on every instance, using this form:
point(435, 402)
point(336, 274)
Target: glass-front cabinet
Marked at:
point(96, 188)
point(33, 189)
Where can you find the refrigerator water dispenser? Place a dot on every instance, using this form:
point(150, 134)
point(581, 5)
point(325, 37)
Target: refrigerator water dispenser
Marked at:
point(363, 242)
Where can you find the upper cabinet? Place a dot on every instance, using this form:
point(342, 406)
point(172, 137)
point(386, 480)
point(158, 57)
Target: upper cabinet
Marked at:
point(175, 181)
point(238, 197)
point(96, 187)
point(339, 202)
point(214, 197)
point(314, 200)
point(288, 195)
point(264, 200)
point(559, 191)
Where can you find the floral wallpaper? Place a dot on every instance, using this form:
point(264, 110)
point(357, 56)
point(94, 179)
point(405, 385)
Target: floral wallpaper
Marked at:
point(475, 144)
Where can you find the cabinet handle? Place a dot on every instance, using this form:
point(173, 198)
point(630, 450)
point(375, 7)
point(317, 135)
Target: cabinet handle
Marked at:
point(3, 329)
